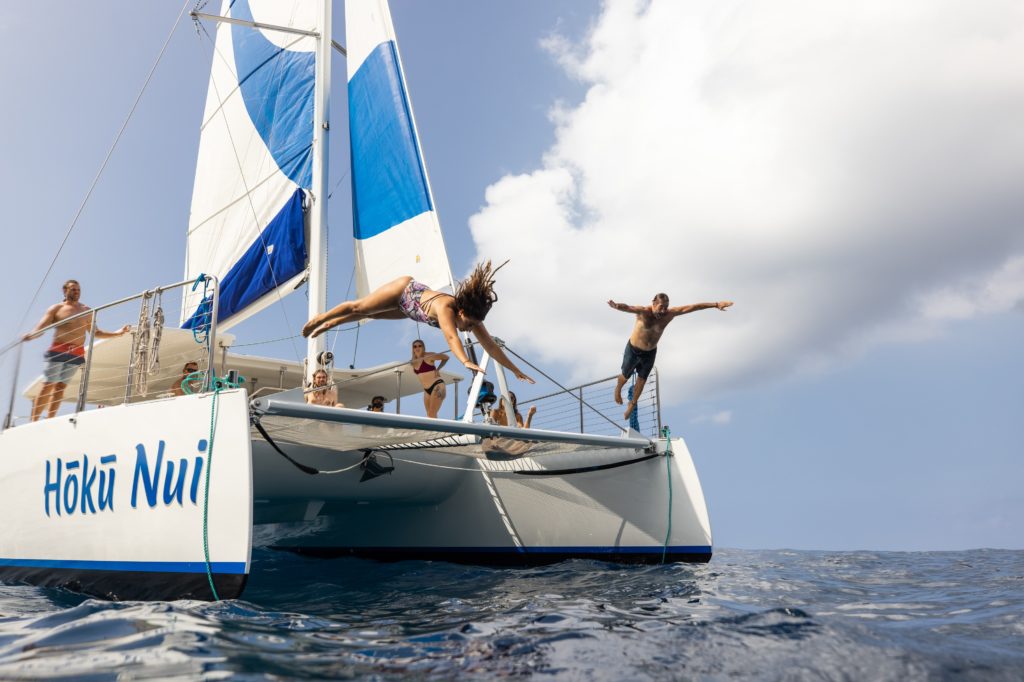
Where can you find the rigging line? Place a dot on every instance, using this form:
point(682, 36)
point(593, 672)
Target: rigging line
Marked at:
point(348, 290)
point(103, 166)
point(546, 376)
point(252, 207)
point(232, 93)
point(270, 176)
point(283, 338)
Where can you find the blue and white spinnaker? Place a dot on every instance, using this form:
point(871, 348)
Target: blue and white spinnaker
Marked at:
point(247, 225)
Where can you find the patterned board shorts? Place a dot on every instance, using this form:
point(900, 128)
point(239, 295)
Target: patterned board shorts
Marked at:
point(642, 361)
point(60, 366)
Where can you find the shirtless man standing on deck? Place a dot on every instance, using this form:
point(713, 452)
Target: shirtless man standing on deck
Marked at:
point(642, 346)
point(67, 350)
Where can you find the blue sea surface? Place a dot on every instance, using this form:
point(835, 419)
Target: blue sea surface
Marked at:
point(766, 615)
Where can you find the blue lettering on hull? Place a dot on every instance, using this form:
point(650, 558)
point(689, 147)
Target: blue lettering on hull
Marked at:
point(79, 486)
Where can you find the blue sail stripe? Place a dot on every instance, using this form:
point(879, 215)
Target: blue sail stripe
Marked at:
point(277, 88)
point(389, 184)
point(272, 259)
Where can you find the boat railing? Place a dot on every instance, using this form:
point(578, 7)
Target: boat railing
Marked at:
point(101, 366)
point(591, 408)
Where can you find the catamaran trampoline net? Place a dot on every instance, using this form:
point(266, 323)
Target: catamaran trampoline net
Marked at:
point(291, 432)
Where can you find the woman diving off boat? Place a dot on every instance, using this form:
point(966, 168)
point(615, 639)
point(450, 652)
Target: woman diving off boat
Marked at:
point(405, 297)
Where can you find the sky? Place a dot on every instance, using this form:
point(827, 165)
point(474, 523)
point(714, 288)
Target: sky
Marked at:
point(848, 174)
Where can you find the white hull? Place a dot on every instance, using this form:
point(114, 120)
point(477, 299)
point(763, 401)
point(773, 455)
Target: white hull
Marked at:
point(132, 527)
point(112, 501)
point(612, 504)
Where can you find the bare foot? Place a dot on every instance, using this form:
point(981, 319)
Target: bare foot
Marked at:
point(313, 323)
point(629, 410)
point(618, 396)
point(320, 330)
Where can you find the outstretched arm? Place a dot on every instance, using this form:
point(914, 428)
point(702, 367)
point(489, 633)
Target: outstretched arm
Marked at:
point(636, 309)
point(489, 345)
point(683, 309)
point(451, 335)
point(100, 334)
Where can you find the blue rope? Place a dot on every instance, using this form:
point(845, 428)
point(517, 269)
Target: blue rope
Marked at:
point(201, 318)
point(668, 471)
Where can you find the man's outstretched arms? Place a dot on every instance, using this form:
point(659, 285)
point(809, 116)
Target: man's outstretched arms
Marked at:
point(635, 309)
point(683, 309)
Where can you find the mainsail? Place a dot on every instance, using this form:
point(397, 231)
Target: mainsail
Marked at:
point(247, 225)
point(394, 221)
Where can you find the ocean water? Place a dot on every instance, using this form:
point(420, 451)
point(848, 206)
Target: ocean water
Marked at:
point(765, 615)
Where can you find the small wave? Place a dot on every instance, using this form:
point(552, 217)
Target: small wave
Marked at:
point(748, 614)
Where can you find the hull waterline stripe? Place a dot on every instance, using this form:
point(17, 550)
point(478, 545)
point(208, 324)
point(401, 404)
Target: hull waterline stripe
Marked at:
point(227, 567)
point(513, 556)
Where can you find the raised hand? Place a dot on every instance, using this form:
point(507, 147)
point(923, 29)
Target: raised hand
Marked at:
point(523, 377)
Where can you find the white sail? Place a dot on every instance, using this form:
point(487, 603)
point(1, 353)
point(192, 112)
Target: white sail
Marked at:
point(247, 225)
point(394, 220)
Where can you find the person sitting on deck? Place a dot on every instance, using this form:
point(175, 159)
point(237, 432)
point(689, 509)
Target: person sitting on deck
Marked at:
point(376, 404)
point(429, 374)
point(67, 350)
point(498, 415)
point(187, 383)
point(405, 297)
point(642, 346)
point(323, 395)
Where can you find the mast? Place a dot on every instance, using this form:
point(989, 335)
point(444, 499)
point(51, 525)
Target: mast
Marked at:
point(317, 283)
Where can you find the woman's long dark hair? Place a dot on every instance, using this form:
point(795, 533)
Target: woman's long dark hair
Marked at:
point(475, 295)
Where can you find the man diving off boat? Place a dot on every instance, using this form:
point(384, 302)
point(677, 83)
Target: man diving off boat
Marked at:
point(405, 297)
point(67, 350)
point(642, 346)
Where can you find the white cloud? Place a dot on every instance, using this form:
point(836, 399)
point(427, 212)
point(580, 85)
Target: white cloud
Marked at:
point(718, 418)
point(849, 174)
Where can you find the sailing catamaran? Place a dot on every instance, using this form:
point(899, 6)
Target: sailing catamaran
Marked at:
point(164, 493)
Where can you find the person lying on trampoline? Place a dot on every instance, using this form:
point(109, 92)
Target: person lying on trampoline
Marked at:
point(405, 297)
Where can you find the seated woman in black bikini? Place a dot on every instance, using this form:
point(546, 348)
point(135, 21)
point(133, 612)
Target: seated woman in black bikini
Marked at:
point(430, 376)
point(405, 297)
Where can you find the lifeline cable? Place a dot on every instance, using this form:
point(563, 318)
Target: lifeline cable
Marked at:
point(543, 374)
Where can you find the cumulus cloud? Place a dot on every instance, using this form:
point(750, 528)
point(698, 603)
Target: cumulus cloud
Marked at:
point(849, 174)
point(719, 418)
